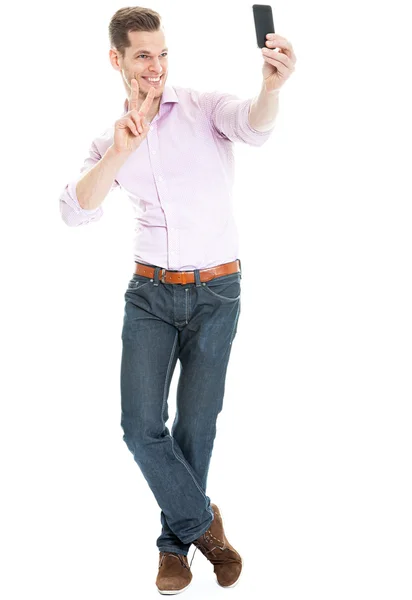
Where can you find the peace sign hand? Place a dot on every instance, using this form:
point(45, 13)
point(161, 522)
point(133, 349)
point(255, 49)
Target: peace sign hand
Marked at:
point(132, 128)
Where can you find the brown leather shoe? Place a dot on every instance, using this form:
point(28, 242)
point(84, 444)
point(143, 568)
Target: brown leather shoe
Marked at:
point(227, 563)
point(174, 574)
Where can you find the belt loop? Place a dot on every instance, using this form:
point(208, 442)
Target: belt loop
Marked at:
point(156, 275)
point(240, 267)
point(197, 278)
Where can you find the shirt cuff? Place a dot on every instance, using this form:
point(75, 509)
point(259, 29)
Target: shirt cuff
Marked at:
point(71, 189)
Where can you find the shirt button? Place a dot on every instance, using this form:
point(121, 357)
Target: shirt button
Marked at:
point(151, 127)
point(153, 151)
point(160, 178)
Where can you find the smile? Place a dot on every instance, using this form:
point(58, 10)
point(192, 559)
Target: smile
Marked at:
point(155, 81)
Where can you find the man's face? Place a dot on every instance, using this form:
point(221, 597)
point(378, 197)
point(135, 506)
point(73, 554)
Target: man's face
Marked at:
point(147, 57)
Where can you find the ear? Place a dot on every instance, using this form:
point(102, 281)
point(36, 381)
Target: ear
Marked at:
point(114, 58)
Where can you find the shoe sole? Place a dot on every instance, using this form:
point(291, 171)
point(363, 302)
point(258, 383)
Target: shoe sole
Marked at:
point(174, 591)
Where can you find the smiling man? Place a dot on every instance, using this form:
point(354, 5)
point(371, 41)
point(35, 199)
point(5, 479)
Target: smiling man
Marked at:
point(142, 55)
point(171, 151)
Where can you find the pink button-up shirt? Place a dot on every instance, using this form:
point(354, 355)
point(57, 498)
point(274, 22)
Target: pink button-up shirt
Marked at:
point(179, 180)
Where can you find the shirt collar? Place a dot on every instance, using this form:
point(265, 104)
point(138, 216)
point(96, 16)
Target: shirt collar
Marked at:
point(169, 95)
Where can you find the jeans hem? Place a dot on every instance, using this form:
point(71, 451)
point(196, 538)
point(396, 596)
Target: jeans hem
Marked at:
point(175, 550)
point(202, 531)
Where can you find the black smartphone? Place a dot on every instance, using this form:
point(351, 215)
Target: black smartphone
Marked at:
point(263, 16)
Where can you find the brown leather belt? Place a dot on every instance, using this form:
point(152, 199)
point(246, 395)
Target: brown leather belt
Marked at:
point(184, 277)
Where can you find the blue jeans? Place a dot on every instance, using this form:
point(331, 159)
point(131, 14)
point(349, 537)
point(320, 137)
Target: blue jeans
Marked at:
point(195, 323)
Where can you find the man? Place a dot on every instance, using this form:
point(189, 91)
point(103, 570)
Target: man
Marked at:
point(171, 151)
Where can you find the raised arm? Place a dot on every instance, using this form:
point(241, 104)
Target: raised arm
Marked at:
point(81, 199)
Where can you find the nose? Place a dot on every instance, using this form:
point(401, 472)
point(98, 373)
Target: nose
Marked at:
point(156, 67)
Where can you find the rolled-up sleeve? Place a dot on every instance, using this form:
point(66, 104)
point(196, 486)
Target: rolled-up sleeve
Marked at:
point(71, 211)
point(229, 116)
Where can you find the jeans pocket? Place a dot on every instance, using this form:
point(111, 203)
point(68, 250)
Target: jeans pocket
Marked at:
point(137, 282)
point(226, 288)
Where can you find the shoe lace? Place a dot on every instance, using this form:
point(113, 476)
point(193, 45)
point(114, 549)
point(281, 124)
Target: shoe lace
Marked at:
point(177, 555)
point(220, 559)
point(192, 557)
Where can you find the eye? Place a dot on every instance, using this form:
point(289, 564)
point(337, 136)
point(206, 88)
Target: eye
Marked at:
point(164, 54)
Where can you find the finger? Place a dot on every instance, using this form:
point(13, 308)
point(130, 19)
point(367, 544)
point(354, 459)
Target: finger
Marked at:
point(284, 70)
point(128, 123)
point(147, 103)
point(137, 119)
point(276, 36)
point(132, 126)
point(278, 57)
point(134, 95)
point(277, 41)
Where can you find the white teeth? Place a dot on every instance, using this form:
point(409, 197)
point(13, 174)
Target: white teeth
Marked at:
point(148, 79)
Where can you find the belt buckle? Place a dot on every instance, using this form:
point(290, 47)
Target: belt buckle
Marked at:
point(162, 277)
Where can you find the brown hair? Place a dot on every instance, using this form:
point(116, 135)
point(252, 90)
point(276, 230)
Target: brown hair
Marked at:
point(134, 18)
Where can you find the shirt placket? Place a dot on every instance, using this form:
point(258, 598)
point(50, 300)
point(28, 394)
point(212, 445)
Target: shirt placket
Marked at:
point(173, 257)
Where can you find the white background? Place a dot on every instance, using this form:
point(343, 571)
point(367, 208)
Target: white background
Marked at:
point(312, 460)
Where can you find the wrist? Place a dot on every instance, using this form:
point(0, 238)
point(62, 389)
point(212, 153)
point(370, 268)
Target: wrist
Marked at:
point(271, 93)
point(117, 157)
